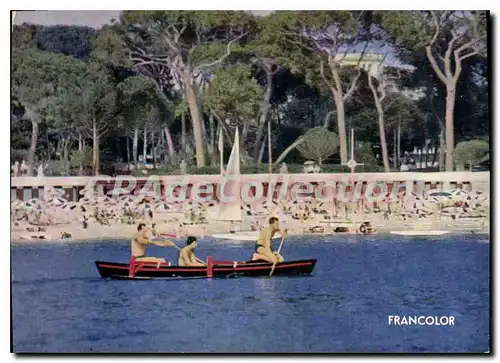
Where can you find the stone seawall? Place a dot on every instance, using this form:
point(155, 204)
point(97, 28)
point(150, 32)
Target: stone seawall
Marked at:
point(25, 188)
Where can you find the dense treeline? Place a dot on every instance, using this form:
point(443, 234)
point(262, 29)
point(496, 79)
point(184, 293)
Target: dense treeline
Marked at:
point(163, 85)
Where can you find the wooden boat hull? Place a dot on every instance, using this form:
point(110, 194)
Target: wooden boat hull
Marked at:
point(148, 270)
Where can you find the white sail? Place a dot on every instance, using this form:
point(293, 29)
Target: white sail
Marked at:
point(230, 210)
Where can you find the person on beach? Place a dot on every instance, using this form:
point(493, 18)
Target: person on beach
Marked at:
point(141, 240)
point(263, 245)
point(15, 169)
point(186, 254)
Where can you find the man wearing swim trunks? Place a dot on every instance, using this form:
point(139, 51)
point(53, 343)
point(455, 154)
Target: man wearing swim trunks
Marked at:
point(263, 245)
point(141, 240)
point(186, 254)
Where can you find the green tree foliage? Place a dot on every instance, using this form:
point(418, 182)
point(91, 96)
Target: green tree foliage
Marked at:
point(67, 39)
point(319, 41)
point(141, 106)
point(139, 97)
point(229, 68)
point(91, 98)
point(470, 152)
point(184, 45)
point(82, 157)
point(319, 144)
point(109, 47)
point(449, 38)
point(22, 36)
point(364, 155)
point(234, 94)
point(38, 79)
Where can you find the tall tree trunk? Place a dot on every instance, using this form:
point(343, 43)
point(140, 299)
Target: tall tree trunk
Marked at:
point(159, 143)
point(80, 151)
point(183, 134)
point(339, 102)
point(127, 139)
point(204, 132)
point(211, 141)
point(450, 77)
point(163, 142)
point(65, 155)
point(206, 138)
point(60, 145)
point(378, 96)
point(145, 145)
point(261, 151)
point(264, 112)
point(269, 148)
point(442, 146)
point(216, 154)
point(95, 148)
point(434, 157)
point(426, 157)
point(326, 123)
point(49, 146)
point(196, 117)
point(399, 140)
point(383, 142)
point(244, 134)
point(340, 98)
point(32, 149)
point(395, 150)
point(153, 148)
point(135, 144)
point(450, 109)
point(170, 144)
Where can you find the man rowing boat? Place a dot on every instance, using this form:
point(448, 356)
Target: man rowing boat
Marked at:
point(263, 245)
point(141, 240)
point(186, 254)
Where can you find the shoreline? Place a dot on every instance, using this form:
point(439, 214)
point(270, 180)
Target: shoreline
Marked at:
point(125, 232)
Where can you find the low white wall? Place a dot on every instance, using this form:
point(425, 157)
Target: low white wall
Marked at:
point(445, 177)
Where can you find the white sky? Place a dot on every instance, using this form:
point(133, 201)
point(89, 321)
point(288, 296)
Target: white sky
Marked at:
point(91, 18)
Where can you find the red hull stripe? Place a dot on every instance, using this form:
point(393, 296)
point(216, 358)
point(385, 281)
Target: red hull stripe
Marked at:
point(153, 268)
point(203, 269)
point(167, 235)
point(248, 268)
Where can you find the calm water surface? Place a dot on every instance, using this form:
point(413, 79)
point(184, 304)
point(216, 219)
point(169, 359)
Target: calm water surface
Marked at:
point(60, 304)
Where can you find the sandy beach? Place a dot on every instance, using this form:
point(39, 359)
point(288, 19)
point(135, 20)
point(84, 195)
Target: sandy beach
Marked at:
point(98, 217)
point(113, 232)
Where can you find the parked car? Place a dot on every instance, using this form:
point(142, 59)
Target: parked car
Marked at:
point(481, 167)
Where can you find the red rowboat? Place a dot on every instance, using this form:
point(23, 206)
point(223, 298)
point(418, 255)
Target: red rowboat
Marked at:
point(150, 270)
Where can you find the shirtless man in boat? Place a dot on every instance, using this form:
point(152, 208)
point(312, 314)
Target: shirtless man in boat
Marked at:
point(186, 254)
point(142, 239)
point(263, 245)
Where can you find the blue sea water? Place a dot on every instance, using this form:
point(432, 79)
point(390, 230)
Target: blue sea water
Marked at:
point(60, 304)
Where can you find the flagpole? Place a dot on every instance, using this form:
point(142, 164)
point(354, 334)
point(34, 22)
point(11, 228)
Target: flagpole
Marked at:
point(270, 157)
point(352, 144)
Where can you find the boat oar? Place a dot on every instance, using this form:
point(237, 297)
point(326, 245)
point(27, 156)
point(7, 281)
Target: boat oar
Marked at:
point(279, 249)
point(281, 245)
point(169, 243)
